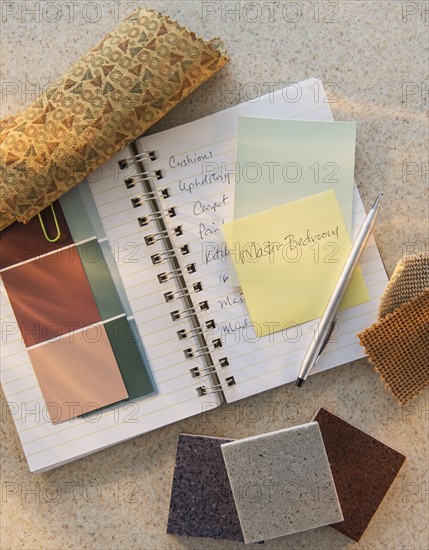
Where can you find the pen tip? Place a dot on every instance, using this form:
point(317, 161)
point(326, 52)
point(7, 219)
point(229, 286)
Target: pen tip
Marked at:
point(377, 201)
point(300, 382)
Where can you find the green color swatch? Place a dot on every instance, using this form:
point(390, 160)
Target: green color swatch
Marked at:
point(131, 360)
point(100, 279)
point(80, 224)
point(282, 161)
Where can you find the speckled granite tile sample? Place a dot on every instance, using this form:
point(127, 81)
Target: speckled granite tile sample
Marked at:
point(281, 482)
point(363, 470)
point(201, 502)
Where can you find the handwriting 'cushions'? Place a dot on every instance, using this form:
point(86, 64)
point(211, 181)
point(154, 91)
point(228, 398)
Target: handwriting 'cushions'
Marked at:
point(60, 300)
point(281, 482)
point(78, 373)
point(363, 469)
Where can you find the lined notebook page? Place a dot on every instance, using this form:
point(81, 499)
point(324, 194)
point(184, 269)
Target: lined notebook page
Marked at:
point(203, 201)
point(47, 445)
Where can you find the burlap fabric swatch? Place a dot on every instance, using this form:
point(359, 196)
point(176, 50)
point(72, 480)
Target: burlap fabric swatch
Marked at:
point(398, 343)
point(409, 279)
point(112, 95)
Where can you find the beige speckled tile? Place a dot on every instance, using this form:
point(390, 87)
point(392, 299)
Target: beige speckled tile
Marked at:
point(282, 482)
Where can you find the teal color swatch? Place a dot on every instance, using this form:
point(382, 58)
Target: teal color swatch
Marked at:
point(80, 224)
point(84, 221)
point(131, 359)
point(100, 279)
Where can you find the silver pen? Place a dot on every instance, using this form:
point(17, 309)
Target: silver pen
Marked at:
point(328, 319)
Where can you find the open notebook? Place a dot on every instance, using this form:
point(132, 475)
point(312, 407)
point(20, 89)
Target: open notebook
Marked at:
point(161, 217)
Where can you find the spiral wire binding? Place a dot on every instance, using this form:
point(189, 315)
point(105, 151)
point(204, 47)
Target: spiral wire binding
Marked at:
point(204, 390)
point(145, 220)
point(167, 276)
point(146, 177)
point(139, 157)
point(196, 371)
point(155, 237)
point(161, 256)
point(183, 333)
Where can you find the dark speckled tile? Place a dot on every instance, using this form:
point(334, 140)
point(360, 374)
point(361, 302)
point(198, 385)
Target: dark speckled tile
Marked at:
point(363, 469)
point(201, 502)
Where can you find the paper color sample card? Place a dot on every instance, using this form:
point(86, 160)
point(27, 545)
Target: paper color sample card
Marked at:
point(78, 373)
point(288, 260)
point(61, 299)
point(83, 348)
point(24, 241)
point(285, 160)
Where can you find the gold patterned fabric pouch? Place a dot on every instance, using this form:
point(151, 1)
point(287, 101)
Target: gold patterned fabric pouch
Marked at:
point(120, 88)
point(398, 343)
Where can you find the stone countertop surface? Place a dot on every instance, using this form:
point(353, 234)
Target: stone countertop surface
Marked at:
point(373, 59)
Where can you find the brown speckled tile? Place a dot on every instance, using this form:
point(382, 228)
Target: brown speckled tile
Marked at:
point(363, 469)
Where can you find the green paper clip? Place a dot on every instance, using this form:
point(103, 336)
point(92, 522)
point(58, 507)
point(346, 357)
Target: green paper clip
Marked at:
point(57, 227)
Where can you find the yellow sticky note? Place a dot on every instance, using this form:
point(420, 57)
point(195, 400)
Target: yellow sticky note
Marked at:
point(288, 260)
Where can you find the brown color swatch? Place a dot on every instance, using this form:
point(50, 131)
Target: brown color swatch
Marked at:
point(363, 469)
point(120, 88)
point(78, 373)
point(51, 296)
point(20, 242)
point(398, 347)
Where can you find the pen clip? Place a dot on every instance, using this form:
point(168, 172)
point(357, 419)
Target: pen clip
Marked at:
point(326, 338)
